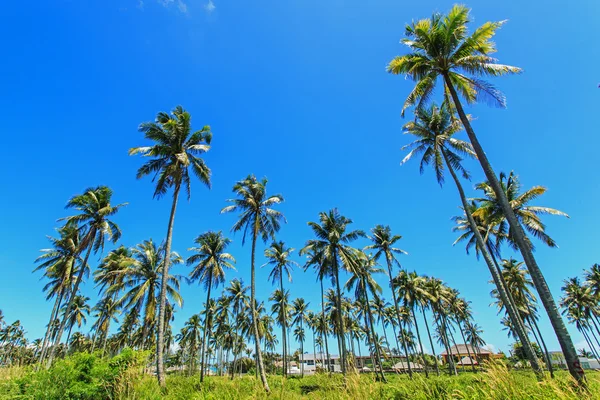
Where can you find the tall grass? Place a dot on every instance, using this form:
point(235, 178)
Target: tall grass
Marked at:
point(85, 376)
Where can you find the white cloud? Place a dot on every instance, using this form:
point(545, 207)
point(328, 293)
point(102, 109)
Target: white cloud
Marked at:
point(210, 6)
point(140, 5)
point(182, 6)
point(491, 347)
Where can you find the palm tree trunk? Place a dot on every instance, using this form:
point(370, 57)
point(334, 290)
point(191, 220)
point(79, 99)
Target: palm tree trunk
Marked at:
point(437, 368)
point(342, 342)
point(449, 330)
point(206, 328)
point(372, 336)
point(324, 328)
point(397, 308)
point(542, 341)
point(442, 329)
point(462, 334)
point(512, 312)
point(53, 315)
point(283, 325)
point(518, 233)
point(90, 241)
point(160, 342)
point(259, 360)
point(420, 342)
point(105, 337)
point(589, 342)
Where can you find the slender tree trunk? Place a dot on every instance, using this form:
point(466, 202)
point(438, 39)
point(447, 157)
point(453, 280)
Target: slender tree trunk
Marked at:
point(91, 235)
point(339, 315)
point(442, 329)
point(512, 312)
point(420, 342)
point(462, 334)
point(206, 328)
point(160, 342)
point(53, 316)
point(449, 330)
point(324, 328)
point(314, 349)
point(590, 344)
point(518, 233)
point(397, 308)
point(373, 336)
point(283, 324)
point(437, 368)
point(105, 337)
point(542, 341)
point(259, 359)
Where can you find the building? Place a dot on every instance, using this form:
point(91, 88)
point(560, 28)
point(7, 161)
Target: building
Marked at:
point(558, 360)
point(318, 360)
point(460, 351)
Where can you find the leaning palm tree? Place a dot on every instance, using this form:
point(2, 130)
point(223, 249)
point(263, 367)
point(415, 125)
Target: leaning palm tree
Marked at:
point(209, 261)
point(257, 215)
point(60, 266)
point(105, 312)
point(278, 256)
point(175, 151)
point(441, 47)
point(95, 209)
point(434, 128)
point(383, 244)
point(78, 313)
point(332, 248)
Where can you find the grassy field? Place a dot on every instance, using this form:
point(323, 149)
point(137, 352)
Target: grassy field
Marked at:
point(87, 377)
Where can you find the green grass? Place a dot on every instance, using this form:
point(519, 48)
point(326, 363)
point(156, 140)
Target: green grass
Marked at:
point(85, 376)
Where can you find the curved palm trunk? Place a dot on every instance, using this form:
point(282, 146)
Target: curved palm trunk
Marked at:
point(518, 233)
point(324, 327)
point(397, 308)
point(72, 295)
point(492, 266)
point(462, 334)
point(53, 316)
point(283, 325)
point(420, 342)
point(442, 329)
point(437, 368)
point(206, 328)
point(589, 343)
point(259, 359)
point(542, 341)
point(341, 335)
point(160, 342)
point(372, 335)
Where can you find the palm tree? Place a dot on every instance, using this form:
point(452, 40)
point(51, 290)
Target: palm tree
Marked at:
point(279, 259)
point(104, 311)
point(78, 313)
point(383, 244)
point(189, 339)
point(331, 247)
point(256, 214)
point(95, 209)
point(362, 281)
point(60, 266)
point(238, 298)
point(434, 127)
point(176, 149)
point(443, 48)
point(143, 282)
point(300, 336)
point(592, 278)
point(299, 315)
point(209, 261)
point(281, 311)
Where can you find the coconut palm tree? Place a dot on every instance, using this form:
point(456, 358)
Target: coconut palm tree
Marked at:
point(176, 149)
point(78, 313)
point(300, 336)
point(278, 256)
point(332, 248)
point(442, 48)
point(105, 312)
point(238, 298)
point(280, 309)
point(592, 277)
point(363, 282)
point(60, 265)
point(435, 127)
point(209, 261)
point(142, 285)
point(189, 339)
point(300, 314)
point(256, 214)
point(383, 243)
point(93, 221)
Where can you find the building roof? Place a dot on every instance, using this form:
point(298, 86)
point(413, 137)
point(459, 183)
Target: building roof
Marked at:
point(320, 356)
point(468, 361)
point(402, 365)
point(462, 350)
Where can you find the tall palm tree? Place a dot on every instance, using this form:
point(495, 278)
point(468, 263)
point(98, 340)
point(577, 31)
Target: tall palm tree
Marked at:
point(175, 151)
point(383, 243)
point(105, 312)
point(142, 284)
point(281, 310)
point(60, 266)
point(78, 313)
point(238, 298)
point(257, 215)
point(363, 282)
point(95, 209)
point(300, 315)
point(278, 256)
point(331, 246)
point(441, 47)
point(300, 336)
point(189, 339)
point(434, 127)
point(210, 261)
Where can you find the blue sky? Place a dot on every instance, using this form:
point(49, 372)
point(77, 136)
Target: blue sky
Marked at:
point(295, 91)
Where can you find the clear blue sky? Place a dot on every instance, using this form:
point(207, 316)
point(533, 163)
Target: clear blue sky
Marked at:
point(295, 91)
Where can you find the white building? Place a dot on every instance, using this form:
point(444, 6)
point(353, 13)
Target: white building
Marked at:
point(311, 363)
